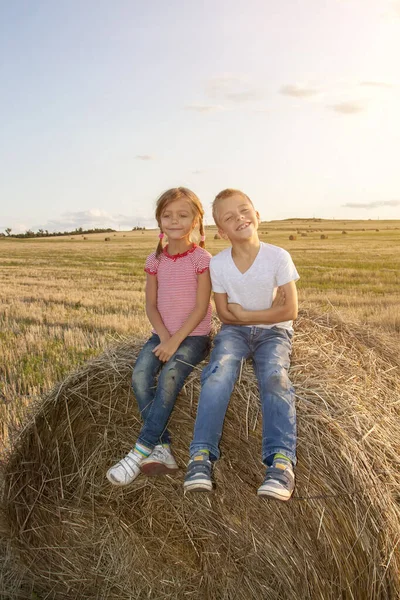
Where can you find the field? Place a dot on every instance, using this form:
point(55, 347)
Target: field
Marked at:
point(62, 300)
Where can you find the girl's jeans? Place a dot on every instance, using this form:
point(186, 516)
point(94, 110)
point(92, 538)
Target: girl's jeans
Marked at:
point(156, 400)
point(270, 350)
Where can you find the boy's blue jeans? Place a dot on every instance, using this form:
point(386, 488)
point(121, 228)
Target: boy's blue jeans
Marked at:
point(157, 399)
point(270, 350)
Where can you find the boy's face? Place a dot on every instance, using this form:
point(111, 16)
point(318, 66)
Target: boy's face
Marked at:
point(237, 218)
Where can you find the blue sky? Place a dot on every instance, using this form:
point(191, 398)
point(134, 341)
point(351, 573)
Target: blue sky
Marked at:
point(104, 105)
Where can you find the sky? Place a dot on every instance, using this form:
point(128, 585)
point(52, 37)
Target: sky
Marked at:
point(104, 105)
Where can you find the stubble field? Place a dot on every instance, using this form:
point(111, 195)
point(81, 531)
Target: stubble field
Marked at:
point(62, 300)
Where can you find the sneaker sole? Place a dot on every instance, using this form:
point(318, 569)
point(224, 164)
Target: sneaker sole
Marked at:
point(153, 468)
point(119, 483)
point(274, 495)
point(198, 486)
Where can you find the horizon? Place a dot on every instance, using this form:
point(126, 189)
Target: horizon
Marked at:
point(136, 228)
point(104, 107)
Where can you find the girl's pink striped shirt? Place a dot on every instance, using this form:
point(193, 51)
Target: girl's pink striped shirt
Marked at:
point(177, 286)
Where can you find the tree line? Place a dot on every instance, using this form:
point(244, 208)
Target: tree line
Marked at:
point(46, 233)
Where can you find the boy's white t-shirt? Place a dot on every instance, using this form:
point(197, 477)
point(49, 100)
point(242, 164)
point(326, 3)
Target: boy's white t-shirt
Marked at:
point(256, 288)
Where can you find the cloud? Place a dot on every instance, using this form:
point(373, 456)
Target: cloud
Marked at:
point(92, 219)
point(376, 84)
point(144, 157)
point(243, 96)
point(368, 205)
point(347, 108)
point(233, 88)
point(204, 108)
point(298, 91)
point(222, 83)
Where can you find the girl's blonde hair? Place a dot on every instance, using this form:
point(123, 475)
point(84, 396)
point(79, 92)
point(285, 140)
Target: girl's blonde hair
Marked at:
point(226, 194)
point(177, 194)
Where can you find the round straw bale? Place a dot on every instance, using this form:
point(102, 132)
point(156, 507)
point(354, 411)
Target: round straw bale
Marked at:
point(79, 537)
point(323, 236)
point(217, 236)
point(292, 237)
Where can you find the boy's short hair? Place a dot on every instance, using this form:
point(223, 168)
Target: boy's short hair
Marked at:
point(226, 194)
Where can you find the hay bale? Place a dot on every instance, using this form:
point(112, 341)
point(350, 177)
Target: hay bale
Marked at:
point(292, 237)
point(107, 239)
point(81, 538)
point(304, 235)
point(217, 236)
point(344, 232)
point(323, 236)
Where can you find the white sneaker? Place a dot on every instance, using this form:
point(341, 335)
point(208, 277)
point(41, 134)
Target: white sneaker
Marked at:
point(126, 470)
point(160, 462)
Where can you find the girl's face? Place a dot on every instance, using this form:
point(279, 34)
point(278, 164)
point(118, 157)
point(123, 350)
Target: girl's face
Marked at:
point(178, 220)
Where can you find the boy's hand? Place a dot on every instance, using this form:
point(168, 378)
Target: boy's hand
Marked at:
point(237, 310)
point(166, 349)
point(280, 298)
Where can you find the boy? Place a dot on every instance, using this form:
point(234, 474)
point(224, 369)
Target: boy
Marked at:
point(244, 281)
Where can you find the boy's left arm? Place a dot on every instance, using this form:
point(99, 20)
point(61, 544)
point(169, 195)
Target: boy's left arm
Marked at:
point(276, 314)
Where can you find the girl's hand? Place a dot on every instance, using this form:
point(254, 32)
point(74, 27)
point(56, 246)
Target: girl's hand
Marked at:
point(237, 310)
point(280, 298)
point(166, 349)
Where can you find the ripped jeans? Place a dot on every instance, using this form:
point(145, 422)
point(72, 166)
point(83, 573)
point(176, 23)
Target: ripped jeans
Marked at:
point(270, 350)
point(157, 399)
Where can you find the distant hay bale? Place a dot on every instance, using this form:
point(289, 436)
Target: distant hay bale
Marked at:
point(85, 238)
point(304, 234)
point(376, 229)
point(107, 239)
point(217, 236)
point(292, 237)
point(344, 232)
point(80, 538)
point(323, 236)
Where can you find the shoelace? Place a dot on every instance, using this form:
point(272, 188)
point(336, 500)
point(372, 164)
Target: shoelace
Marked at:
point(159, 453)
point(130, 457)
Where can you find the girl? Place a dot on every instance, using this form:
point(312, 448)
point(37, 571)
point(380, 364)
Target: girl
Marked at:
point(178, 306)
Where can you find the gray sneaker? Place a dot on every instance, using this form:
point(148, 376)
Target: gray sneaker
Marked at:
point(198, 474)
point(279, 481)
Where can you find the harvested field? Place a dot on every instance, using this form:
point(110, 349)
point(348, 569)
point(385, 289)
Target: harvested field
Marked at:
point(77, 537)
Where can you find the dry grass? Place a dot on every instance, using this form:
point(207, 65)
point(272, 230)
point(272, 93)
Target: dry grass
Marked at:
point(77, 537)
